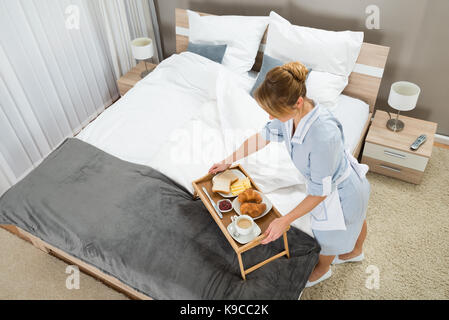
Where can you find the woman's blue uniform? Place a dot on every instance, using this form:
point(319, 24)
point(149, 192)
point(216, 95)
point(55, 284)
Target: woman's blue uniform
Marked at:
point(317, 149)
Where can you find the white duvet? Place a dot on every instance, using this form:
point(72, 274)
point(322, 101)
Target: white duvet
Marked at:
point(191, 112)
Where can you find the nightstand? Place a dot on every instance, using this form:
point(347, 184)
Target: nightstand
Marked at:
point(128, 81)
point(388, 153)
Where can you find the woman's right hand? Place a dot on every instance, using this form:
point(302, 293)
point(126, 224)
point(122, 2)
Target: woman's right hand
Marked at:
point(219, 167)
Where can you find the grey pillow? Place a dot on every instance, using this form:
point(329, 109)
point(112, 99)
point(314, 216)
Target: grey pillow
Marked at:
point(268, 63)
point(210, 51)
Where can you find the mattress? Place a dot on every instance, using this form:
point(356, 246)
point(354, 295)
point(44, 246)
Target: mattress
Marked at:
point(353, 115)
point(177, 120)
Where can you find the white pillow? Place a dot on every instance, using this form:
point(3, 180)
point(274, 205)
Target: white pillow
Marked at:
point(241, 34)
point(321, 50)
point(331, 56)
point(324, 88)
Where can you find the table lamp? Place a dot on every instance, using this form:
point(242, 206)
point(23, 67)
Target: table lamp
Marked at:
point(143, 49)
point(403, 97)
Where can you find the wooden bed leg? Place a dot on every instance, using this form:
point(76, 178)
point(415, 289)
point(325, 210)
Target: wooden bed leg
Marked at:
point(286, 245)
point(242, 270)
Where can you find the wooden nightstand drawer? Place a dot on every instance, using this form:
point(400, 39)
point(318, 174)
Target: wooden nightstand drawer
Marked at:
point(388, 152)
point(395, 157)
point(393, 170)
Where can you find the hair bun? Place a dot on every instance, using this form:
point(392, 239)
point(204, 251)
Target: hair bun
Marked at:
point(297, 70)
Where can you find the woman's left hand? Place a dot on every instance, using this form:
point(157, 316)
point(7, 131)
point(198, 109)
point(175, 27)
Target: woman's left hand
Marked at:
point(275, 229)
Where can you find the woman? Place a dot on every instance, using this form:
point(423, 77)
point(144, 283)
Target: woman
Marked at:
point(337, 189)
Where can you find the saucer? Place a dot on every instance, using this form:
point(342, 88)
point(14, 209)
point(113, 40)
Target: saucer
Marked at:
point(246, 238)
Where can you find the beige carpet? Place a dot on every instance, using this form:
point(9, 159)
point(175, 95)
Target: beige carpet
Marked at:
point(408, 233)
point(407, 243)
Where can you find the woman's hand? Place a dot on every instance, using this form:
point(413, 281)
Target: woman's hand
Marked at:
point(219, 167)
point(279, 225)
point(275, 229)
point(251, 145)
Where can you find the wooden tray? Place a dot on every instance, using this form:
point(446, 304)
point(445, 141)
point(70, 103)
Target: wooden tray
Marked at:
point(263, 222)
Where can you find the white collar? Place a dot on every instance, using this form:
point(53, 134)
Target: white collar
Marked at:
point(303, 125)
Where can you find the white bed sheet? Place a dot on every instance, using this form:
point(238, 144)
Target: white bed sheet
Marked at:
point(353, 115)
point(171, 113)
point(138, 124)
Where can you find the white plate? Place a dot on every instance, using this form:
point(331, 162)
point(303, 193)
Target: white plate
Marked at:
point(246, 238)
point(239, 174)
point(236, 205)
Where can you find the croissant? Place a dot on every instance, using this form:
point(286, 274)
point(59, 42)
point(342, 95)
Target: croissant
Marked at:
point(253, 209)
point(250, 195)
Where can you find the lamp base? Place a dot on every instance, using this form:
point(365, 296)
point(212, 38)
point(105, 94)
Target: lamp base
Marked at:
point(395, 125)
point(144, 74)
point(147, 71)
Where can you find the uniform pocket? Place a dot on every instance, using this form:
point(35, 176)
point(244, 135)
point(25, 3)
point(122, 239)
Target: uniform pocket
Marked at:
point(329, 214)
point(319, 213)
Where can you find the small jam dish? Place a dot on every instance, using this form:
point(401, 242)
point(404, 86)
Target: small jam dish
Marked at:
point(224, 205)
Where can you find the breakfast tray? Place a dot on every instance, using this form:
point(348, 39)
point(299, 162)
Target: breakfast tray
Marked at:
point(262, 222)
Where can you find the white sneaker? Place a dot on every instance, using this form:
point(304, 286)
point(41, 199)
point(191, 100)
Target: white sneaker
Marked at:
point(326, 276)
point(359, 258)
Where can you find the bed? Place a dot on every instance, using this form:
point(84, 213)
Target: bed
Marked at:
point(364, 81)
point(197, 91)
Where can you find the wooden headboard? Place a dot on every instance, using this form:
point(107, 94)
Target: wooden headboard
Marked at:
point(364, 81)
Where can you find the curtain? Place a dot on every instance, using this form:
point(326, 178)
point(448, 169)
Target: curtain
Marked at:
point(57, 72)
point(125, 20)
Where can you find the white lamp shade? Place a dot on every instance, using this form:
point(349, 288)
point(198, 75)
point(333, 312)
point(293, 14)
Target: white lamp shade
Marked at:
point(142, 48)
point(404, 96)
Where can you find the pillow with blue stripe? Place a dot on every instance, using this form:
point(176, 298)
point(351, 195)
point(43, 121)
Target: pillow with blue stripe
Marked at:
point(209, 51)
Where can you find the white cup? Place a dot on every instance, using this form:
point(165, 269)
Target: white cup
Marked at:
point(241, 230)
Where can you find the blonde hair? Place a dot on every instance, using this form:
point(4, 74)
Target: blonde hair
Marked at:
point(282, 88)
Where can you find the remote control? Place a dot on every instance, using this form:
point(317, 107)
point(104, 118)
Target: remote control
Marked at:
point(418, 142)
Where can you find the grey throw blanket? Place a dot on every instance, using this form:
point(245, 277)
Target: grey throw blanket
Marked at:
point(136, 224)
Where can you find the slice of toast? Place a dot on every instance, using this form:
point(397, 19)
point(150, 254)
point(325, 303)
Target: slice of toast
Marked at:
point(228, 174)
point(222, 182)
point(223, 186)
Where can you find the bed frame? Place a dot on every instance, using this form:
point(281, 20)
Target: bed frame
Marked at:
point(364, 81)
point(364, 84)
